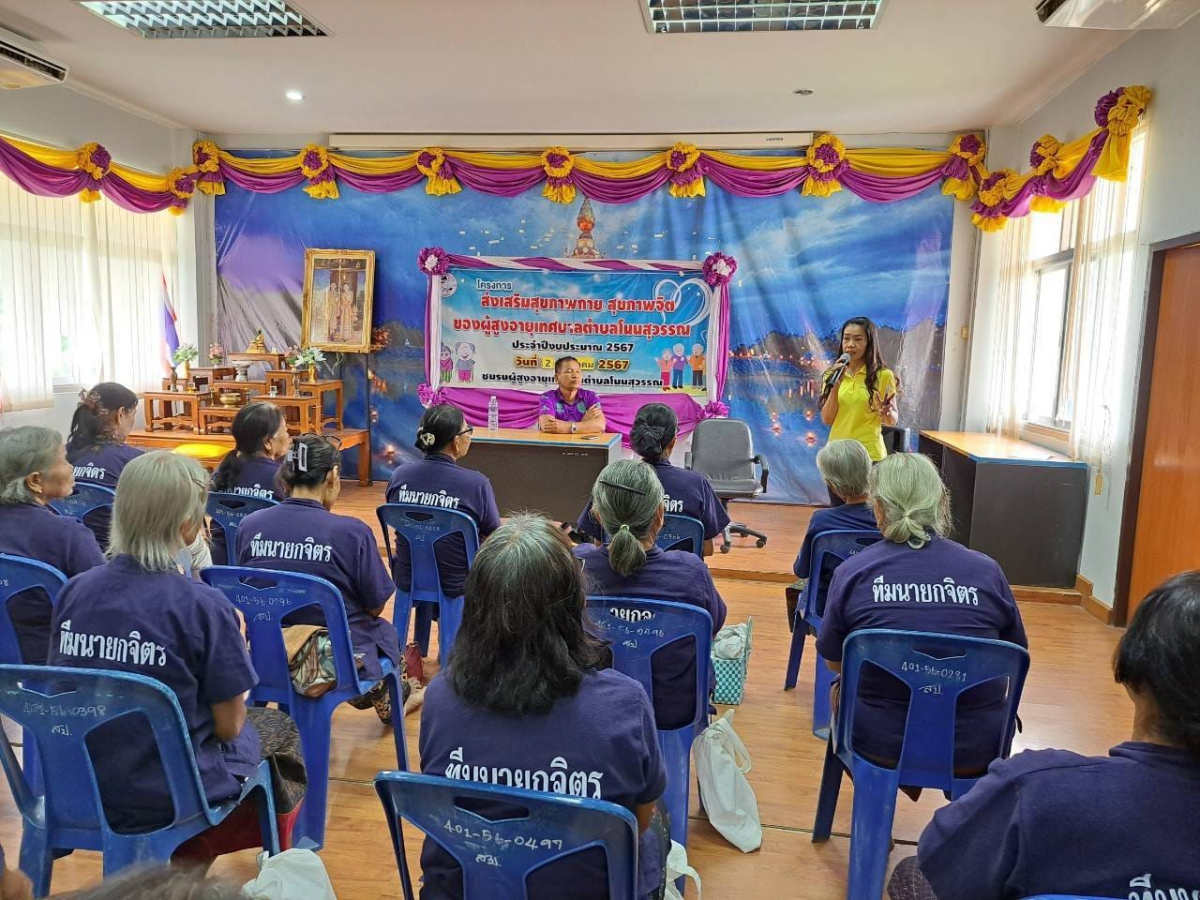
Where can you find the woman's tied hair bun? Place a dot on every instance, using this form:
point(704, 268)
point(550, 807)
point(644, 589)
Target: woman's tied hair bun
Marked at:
point(426, 439)
point(91, 399)
point(654, 428)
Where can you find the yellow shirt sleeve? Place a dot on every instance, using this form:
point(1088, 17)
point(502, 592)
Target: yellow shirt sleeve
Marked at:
point(886, 383)
point(856, 419)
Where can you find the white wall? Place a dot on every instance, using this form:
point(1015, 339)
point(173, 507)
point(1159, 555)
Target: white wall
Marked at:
point(62, 117)
point(1168, 62)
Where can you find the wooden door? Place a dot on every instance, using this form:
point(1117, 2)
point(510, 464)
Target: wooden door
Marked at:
point(1167, 536)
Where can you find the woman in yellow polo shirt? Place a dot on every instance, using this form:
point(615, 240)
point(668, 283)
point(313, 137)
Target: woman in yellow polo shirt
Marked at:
point(865, 396)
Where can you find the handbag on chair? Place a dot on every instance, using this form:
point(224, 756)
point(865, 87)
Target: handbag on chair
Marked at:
point(310, 659)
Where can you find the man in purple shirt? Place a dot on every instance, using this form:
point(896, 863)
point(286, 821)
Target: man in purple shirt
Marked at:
point(568, 409)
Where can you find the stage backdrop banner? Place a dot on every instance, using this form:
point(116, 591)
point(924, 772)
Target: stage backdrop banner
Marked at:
point(804, 265)
point(636, 327)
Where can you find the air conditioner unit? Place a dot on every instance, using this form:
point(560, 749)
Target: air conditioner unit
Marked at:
point(22, 65)
point(1117, 15)
point(579, 143)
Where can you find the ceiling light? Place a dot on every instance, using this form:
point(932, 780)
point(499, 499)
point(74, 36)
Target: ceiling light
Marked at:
point(297, 97)
point(206, 18)
point(703, 16)
point(803, 92)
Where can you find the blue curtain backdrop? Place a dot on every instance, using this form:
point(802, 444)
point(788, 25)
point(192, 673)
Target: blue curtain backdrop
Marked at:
point(804, 266)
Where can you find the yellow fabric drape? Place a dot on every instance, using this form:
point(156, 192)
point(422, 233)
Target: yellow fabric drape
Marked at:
point(140, 180)
point(895, 161)
point(373, 165)
point(633, 169)
point(280, 166)
point(496, 160)
point(1113, 163)
point(756, 163)
point(51, 156)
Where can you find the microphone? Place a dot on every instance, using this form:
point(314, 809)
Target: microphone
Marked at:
point(839, 369)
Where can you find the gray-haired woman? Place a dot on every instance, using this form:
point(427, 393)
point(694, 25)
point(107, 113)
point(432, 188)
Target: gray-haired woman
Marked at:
point(33, 471)
point(916, 579)
point(627, 501)
point(525, 694)
point(148, 618)
point(846, 468)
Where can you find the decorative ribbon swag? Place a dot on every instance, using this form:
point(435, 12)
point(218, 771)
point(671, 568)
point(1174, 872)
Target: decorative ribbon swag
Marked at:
point(1058, 172)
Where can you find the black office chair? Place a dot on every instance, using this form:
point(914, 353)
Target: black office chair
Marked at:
point(895, 438)
point(723, 452)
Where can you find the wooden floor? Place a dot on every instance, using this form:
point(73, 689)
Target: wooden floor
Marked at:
point(1070, 701)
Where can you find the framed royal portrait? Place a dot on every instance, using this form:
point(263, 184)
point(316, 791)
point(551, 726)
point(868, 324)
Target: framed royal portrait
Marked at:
point(338, 296)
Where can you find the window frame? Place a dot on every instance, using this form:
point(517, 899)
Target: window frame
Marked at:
point(1063, 260)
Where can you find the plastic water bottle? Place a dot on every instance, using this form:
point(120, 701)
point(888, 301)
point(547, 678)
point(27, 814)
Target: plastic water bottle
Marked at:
point(493, 415)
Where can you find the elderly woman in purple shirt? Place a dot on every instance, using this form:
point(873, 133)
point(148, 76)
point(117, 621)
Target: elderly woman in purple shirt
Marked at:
point(96, 448)
point(685, 493)
point(33, 471)
point(525, 694)
point(889, 585)
point(250, 469)
point(627, 500)
point(195, 647)
point(1055, 822)
point(349, 558)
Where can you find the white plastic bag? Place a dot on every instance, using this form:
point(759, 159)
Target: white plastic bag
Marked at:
point(291, 875)
point(722, 762)
point(677, 867)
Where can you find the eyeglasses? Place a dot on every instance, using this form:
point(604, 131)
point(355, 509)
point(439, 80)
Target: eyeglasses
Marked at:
point(332, 439)
point(467, 430)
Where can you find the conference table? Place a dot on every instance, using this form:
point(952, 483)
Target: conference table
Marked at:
point(548, 473)
point(209, 448)
point(1021, 504)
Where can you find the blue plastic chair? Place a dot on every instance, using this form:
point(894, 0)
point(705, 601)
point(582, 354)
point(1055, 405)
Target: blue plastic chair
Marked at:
point(83, 500)
point(421, 527)
point(638, 628)
point(68, 813)
point(684, 530)
point(17, 575)
point(497, 856)
point(840, 545)
point(265, 597)
point(937, 668)
point(228, 510)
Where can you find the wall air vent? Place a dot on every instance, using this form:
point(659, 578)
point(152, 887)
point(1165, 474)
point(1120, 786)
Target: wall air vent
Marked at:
point(172, 19)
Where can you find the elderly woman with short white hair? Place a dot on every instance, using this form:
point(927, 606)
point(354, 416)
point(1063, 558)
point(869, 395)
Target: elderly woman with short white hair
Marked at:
point(891, 585)
point(34, 471)
point(195, 648)
point(846, 468)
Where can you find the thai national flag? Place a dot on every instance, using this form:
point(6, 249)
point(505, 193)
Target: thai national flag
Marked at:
point(170, 331)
